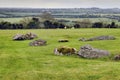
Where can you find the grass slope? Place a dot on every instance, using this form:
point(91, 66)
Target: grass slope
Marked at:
point(19, 61)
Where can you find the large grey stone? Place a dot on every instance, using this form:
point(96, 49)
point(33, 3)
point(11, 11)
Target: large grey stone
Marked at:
point(88, 51)
point(107, 37)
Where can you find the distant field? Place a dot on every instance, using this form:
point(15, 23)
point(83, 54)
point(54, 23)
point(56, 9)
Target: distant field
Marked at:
point(19, 61)
point(90, 19)
point(23, 13)
point(105, 20)
point(12, 20)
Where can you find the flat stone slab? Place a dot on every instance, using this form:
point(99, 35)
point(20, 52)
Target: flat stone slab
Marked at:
point(107, 37)
point(39, 42)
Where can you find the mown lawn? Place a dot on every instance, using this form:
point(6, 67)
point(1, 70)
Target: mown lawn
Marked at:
point(19, 61)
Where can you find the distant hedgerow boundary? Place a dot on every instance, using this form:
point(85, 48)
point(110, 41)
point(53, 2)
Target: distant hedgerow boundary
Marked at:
point(36, 23)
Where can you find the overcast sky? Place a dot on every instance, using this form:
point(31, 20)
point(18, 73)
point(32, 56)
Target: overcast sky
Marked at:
point(60, 3)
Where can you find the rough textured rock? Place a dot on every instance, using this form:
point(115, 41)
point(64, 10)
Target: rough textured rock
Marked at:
point(19, 37)
point(63, 50)
point(30, 36)
point(27, 36)
point(63, 40)
point(117, 57)
point(82, 39)
point(39, 42)
point(88, 51)
point(99, 38)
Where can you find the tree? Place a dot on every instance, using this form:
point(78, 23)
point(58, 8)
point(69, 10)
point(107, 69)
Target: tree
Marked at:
point(113, 25)
point(85, 23)
point(56, 25)
point(34, 23)
point(5, 25)
point(30, 23)
point(47, 16)
point(77, 26)
point(97, 25)
point(62, 26)
point(25, 22)
point(47, 24)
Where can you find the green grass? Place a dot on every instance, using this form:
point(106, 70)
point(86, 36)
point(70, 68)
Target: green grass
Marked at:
point(12, 20)
point(19, 61)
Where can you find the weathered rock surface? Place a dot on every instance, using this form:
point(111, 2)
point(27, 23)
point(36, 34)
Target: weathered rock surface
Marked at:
point(88, 51)
point(99, 38)
point(30, 36)
point(19, 37)
point(27, 36)
point(39, 42)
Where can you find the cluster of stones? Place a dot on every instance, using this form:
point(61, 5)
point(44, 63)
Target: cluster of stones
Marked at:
point(85, 51)
point(30, 36)
point(27, 36)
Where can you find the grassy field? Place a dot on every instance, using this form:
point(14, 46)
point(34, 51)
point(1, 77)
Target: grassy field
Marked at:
point(12, 20)
point(105, 20)
point(19, 61)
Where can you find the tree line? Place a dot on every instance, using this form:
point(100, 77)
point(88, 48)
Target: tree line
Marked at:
point(35, 23)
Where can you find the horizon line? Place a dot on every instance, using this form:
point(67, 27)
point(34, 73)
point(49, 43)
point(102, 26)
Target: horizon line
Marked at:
point(61, 7)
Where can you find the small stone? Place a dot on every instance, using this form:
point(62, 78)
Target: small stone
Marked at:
point(39, 42)
point(63, 40)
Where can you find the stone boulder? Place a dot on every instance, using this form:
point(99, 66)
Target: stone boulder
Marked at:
point(27, 36)
point(99, 38)
point(30, 36)
point(39, 42)
point(19, 37)
point(88, 51)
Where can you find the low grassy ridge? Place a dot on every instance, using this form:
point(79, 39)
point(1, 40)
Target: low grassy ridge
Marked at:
point(19, 61)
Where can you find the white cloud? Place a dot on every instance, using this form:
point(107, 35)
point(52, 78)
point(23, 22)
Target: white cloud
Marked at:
point(60, 3)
